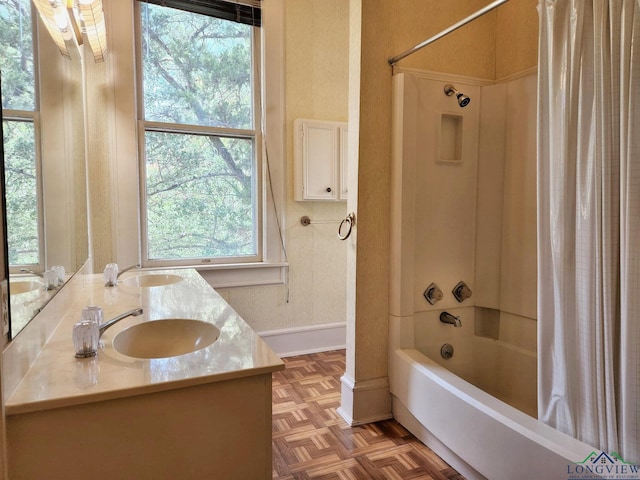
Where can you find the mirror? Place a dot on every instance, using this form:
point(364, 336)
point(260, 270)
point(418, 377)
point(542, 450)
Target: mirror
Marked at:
point(49, 195)
point(4, 266)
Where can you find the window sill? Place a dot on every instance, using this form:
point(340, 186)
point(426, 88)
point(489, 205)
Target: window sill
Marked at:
point(243, 274)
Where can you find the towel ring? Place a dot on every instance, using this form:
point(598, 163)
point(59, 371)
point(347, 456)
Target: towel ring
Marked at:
point(350, 220)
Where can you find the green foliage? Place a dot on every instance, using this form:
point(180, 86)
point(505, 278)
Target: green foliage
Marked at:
point(196, 208)
point(18, 93)
point(200, 188)
point(16, 55)
point(197, 69)
point(21, 193)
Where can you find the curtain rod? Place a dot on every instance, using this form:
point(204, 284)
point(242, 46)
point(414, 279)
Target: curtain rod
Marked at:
point(393, 60)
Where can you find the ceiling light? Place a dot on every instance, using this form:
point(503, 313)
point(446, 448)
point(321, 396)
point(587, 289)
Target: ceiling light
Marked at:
point(85, 18)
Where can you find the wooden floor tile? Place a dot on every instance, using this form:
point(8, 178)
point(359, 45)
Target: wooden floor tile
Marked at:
point(311, 441)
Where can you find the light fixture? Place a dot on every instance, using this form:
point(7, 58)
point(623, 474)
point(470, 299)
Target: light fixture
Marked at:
point(93, 26)
point(74, 21)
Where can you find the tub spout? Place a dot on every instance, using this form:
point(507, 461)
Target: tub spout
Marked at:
point(446, 317)
point(131, 313)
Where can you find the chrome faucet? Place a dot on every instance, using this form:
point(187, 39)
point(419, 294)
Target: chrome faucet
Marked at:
point(137, 265)
point(131, 313)
point(446, 317)
point(112, 274)
point(26, 270)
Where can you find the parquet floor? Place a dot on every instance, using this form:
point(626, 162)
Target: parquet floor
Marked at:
point(311, 441)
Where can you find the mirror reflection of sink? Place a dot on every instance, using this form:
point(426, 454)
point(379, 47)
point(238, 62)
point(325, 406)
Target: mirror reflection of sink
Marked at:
point(165, 338)
point(23, 286)
point(150, 280)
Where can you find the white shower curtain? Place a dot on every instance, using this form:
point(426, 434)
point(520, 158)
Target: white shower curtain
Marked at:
point(589, 222)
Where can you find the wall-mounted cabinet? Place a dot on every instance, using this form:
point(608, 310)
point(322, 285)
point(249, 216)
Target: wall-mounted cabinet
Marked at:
point(320, 160)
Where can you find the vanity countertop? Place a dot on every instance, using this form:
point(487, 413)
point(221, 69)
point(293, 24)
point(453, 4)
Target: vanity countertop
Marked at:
point(58, 379)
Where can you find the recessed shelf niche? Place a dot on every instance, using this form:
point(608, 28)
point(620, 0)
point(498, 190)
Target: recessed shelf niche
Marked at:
point(450, 141)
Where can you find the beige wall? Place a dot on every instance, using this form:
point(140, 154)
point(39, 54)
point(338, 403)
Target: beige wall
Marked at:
point(516, 37)
point(99, 101)
point(317, 68)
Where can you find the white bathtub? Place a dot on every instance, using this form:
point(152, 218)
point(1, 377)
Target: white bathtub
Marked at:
point(475, 432)
point(503, 370)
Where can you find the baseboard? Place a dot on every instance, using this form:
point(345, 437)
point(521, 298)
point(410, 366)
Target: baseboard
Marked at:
point(288, 342)
point(364, 401)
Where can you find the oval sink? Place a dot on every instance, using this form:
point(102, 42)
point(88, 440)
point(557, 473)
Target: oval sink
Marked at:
point(150, 280)
point(24, 286)
point(165, 338)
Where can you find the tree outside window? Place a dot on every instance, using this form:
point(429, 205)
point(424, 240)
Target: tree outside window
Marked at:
point(20, 145)
point(200, 137)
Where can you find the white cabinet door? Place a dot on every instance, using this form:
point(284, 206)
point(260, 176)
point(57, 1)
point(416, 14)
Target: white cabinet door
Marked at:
point(319, 149)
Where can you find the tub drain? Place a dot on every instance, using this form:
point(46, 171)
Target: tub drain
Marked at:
point(446, 350)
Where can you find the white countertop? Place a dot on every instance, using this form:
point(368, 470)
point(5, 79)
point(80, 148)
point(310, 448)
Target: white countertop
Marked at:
point(58, 379)
point(27, 304)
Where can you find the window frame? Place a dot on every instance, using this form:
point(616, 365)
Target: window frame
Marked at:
point(32, 117)
point(126, 245)
point(26, 116)
point(253, 134)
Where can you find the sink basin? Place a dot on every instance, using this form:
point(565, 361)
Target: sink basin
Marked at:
point(149, 280)
point(24, 286)
point(165, 338)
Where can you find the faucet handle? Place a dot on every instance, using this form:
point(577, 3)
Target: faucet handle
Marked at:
point(86, 333)
point(110, 275)
point(433, 294)
point(461, 291)
point(86, 338)
point(50, 278)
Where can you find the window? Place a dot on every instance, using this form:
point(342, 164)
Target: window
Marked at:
point(200, 140)
point(20, 127)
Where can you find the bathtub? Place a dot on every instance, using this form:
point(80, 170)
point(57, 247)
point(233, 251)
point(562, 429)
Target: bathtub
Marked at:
point(478, 434)
point(505, 371)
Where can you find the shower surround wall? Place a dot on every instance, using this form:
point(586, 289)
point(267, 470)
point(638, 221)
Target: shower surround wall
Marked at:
point(445, 195)
point(475, 215)
point(463, 209)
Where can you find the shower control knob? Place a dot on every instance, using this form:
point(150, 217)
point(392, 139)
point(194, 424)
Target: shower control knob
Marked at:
point(433, 294)
point(461, 291)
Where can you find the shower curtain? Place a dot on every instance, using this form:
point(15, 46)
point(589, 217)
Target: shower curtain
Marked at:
point(589, 222)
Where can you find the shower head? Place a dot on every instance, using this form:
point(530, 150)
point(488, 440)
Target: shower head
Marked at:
point(463, 100)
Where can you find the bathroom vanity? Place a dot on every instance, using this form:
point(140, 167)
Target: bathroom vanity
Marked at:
point(199, 415)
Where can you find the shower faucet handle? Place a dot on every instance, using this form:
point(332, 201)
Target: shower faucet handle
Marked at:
point(461, 291)
point(433, 294)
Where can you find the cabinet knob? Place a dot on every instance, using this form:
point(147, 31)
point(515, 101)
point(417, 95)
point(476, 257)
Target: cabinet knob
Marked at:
point(329, 189)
